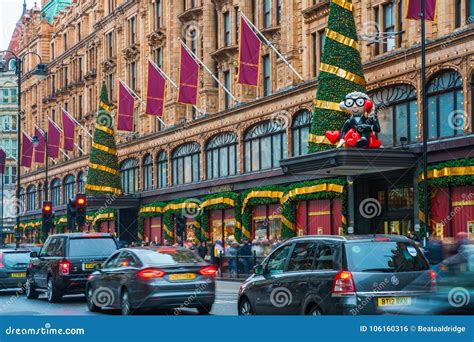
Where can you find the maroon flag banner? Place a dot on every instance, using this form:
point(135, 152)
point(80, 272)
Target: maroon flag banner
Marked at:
point(249, 55)
point(40, 150)
point(26, 151)
point(3, 161)
point(188, 78)
point(155, 91)
point(69, 127)
point(414, 9)
point(126, 108)
point(54, 139)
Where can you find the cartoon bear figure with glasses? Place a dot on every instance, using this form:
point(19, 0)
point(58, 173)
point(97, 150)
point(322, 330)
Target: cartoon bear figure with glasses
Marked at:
point(359, 130)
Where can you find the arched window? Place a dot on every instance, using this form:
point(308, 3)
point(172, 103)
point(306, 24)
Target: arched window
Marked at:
point(22, 198)
point(186, 162)
point(80, 182)
point(40, 195)
point(265, 146)
point(162, 169)
point(129, 172)
point(31, 197)
point(300, 131)
point(445, 105)
point(147, 173)
point(397, 111)
point(56, 192)
point(221, 156)
point(68, 188)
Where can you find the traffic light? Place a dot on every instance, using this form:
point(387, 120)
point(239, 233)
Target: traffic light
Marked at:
point(81, 209)
point(47, 217)
point(180, 226)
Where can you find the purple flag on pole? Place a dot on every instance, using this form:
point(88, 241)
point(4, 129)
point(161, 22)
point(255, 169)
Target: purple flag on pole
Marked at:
point(3, 161)
point(69, 127)
point(188, 78)
point(126, 108)
point(26, 151)
point(41, 148)
point(414, 9)
point(249, 55)
point(155, 91)
point(54, 139)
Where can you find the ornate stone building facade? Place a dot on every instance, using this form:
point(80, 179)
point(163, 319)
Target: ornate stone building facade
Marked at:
point(86, 42)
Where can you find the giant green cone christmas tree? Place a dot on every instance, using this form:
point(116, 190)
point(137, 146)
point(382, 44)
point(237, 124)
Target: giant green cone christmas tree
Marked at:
point(103, 177)
point(340, 73)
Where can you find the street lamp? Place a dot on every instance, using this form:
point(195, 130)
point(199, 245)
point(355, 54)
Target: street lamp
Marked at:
point(40, 70)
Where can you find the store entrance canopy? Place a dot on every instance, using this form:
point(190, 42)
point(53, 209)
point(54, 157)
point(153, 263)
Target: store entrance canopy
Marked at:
point(350, 162)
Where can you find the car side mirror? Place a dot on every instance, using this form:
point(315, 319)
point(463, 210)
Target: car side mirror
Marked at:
point(258, 270)
point(33, 254)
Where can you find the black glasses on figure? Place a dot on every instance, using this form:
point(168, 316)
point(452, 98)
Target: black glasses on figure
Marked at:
point(359, 102)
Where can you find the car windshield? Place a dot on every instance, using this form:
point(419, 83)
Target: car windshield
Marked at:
point(16, 259)
point(389, 256)
point(170, 257)
point(83, 247)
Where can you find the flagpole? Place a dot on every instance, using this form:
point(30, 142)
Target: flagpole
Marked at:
point(170, 80)
point(77, 123)
point(209, 71)
point(266, 41)
point(138, 97)
point(425, 122)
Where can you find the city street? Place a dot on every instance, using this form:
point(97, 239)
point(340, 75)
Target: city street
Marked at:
point(11, 304)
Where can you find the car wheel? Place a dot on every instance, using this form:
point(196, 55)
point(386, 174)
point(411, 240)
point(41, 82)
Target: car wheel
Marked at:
point(52, 292)
point(125, 304)
point(315, 311)
point(30, 289)
point(245, 308)
point(205, 309)
point(90, 300)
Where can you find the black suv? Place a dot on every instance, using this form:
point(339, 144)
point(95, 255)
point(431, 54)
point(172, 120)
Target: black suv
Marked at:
point(64, 263)
point(335, 275)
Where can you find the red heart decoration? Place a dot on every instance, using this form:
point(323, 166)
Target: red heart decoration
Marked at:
point(374, 142)
point(368, 106)
point(333, 136)
point(351, 138)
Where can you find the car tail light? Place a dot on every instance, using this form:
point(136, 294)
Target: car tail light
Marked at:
point(1, 260)
point(151, 273)
point(64, 267)
point(432, 279)
point(343, 283)
point(89, 277)
point(381, 239)
point(208, 271)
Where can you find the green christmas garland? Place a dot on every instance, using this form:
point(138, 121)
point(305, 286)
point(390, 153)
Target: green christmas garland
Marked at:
point(228, 197)
point(443, 182)
point(274, 194)
point(289, 206)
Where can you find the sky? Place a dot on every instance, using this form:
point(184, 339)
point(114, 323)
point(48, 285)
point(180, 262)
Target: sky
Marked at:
point(10, 12)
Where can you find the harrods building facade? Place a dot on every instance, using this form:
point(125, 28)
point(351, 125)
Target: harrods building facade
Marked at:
point(234, 150)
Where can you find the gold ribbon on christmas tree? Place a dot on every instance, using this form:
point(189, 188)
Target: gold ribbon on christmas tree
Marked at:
point(347, 75)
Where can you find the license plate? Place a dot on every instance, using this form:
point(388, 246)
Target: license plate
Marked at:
point(91, 266)
point(394, 301)
point(182, 276)
point(18, 275)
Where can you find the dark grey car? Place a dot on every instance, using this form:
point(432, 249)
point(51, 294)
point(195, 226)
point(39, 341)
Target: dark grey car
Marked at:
point(13, 265)
point(335, 275)
point(154, 277)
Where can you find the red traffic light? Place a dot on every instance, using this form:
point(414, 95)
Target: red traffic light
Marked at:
point(47, 207)
point(81, 200)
